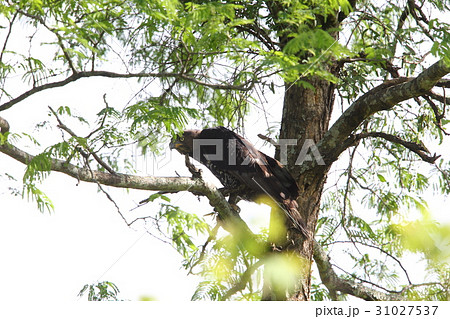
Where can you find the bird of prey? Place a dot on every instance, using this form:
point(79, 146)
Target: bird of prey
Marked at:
point(245, 172)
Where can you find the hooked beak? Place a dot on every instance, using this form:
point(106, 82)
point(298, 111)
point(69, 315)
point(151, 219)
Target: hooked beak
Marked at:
point(174, 145)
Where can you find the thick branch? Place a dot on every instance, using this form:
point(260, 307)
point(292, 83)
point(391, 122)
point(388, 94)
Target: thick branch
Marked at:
point(4, 125)
point(76, 76)
point(231, 220)
point(334, 283)
point(382, 97)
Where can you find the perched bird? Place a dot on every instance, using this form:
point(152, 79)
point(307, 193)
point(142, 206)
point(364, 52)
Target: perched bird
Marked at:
point(245, 172)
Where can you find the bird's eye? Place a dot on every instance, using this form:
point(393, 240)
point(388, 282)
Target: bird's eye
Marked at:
point(181, 138)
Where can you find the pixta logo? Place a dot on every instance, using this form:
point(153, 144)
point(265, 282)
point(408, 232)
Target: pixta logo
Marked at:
point(214, 150)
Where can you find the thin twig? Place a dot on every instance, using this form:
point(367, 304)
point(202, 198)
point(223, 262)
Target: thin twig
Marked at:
point(269, 140)
point(242, 283)
point(438, 116)
point(366, 281)
point(7, 36)
point(102, 123)
point(212, 236)
point(114, 202)
point(62, 126)
point(380, 249)
point(55, 32)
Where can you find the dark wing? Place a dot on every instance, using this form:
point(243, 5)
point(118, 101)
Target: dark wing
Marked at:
point(260, 172)
point(268, 177)
point(214, 154)
point(266, 172)
point(242, 164)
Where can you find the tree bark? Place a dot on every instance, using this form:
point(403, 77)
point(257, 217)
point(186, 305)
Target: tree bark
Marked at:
point(306, 116)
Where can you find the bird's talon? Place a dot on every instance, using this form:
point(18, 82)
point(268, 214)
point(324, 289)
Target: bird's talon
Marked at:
point(236, 208)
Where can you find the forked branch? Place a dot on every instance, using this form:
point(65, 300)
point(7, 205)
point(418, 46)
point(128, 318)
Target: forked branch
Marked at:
point(63, 127)
point(417, 148)
point(380, 98)
point(336, 284)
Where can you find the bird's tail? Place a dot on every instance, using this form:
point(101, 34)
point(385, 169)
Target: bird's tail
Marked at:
point(295, 217)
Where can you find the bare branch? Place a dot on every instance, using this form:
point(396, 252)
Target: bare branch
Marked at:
point(411, 286)
point(443, 83)
point(102, 122)
point(259, 34)
point(62, 126)
point(362, 57)
point(11, 22)
point(334, 283)
point(56, 33)
point(269, 140)
point(421, 19)
point(438, 115)
point(402, 19)
point(231, 220)
point(382, 97)
point(381, 250)
point(417, 148)
point(86, 74)
point(212, 236)
point(362, 280)
point(114, 203)
point(437, 97)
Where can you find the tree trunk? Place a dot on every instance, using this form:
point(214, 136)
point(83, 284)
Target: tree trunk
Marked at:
point(306, 116)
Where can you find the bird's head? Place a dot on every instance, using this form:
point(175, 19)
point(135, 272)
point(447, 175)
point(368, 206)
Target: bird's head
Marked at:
point(185, 141)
